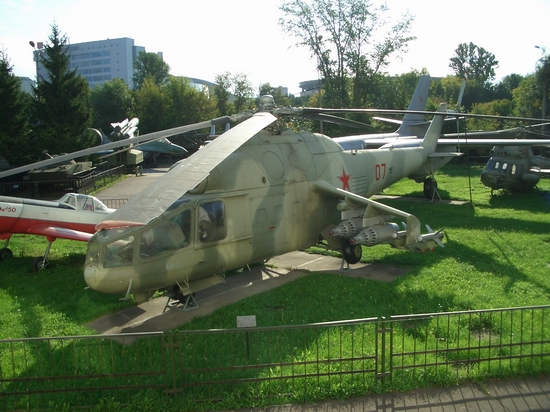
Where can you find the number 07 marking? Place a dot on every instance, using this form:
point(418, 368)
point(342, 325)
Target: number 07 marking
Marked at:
point(380, 171)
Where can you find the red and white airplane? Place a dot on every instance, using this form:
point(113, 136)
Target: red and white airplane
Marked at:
point(74, 216)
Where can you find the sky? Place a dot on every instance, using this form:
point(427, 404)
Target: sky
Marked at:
point(204, 38)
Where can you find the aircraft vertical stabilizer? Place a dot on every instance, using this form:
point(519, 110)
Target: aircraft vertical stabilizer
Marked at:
point(411, 121)
point(434, 130)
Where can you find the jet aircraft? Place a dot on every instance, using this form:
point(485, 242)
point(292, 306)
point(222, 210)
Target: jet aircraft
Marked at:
point(74, 216)
point(128, 129)
point(257, 191)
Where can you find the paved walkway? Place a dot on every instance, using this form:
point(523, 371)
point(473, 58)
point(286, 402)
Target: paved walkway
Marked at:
point(520, 395)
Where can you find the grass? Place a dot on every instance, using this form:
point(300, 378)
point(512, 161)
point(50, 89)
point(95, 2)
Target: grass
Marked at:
point(496, 255)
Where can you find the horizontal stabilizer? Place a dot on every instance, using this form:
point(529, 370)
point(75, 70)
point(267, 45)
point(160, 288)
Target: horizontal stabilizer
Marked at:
point(445, 154)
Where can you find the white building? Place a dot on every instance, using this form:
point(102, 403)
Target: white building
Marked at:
point(100, 61)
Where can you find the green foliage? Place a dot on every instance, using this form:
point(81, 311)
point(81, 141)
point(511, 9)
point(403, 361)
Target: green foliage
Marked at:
point(111, 102)
point(474, 62)
point(14, 124)
point(62, 102)
point(172, 104)
point(495, 256)
point(150, 66)
point(345, 39)
point(222, 91)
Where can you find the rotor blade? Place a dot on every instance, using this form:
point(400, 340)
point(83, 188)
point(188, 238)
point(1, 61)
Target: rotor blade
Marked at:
point(306, 110)
point(188, 173)
point(125, 142)
point(336, 120)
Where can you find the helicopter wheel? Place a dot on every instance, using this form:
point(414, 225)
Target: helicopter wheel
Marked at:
point(5, 254)
point(352, 253)
point(430, 187)
point(39, 263)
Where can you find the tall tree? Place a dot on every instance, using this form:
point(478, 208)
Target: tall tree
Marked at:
point(343, 36)
point(62, 102)
point(474, 62)
point(14, 126)
point(186, 104)
point(112, 102)
point(543, 79)
point(222, 91)
point(243, 92)
point(150, 65)
point(150, 107)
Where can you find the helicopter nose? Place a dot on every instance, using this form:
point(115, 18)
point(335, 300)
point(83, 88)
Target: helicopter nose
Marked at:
point(490, 180)
point(90, 276)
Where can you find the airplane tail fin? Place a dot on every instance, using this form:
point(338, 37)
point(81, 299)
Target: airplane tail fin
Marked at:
point(434, 130)
point(411, 122)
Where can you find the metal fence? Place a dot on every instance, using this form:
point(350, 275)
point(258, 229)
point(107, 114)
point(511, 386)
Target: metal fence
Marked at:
point(277, 364)
point(54, 189)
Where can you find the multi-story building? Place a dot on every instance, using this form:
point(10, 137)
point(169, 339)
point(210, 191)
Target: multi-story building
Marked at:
point(100, 61)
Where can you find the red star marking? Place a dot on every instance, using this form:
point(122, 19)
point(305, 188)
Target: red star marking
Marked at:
point(345, 179)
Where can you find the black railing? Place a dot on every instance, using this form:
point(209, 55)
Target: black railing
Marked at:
point(54, 189)
point(280, 364)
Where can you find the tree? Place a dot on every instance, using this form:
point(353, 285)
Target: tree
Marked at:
point(543, 79)
point(343, 36)
point(474, 62)
point(277, 93)
point(150, 106)
point(185, 104)
point(62, 102)
point(527, 99)
point(14, 126)
point(112, 102)
point(150, 65)
point(234, 93)
point(222, 91)
point(243, 92)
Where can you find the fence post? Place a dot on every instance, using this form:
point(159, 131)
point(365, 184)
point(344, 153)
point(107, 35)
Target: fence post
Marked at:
point(384, 348)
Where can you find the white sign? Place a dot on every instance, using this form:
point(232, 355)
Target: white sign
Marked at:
point(246, 321)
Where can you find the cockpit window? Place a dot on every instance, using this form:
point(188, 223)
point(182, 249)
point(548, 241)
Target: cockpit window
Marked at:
point(211, 218)
point(120, 252)
point(172, 234)
point(99, 206)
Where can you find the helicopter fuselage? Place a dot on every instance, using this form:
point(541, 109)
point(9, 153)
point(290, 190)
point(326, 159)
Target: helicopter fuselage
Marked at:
point(258, 203)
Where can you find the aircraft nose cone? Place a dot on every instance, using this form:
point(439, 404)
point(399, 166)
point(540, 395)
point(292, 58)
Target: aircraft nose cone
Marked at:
point(90, 275)
point(490, 180)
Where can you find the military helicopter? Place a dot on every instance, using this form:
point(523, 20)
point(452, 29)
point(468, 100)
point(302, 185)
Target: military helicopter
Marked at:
point(256, 191)
point(515, 168)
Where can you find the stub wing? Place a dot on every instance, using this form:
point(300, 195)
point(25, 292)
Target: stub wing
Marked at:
point(370, 226)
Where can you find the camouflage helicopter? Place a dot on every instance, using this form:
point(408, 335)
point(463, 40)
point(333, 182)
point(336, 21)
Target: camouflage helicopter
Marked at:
point(515, 168)
point(256, 191)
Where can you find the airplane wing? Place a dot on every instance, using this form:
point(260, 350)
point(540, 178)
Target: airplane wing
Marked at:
point(188, 173)
point(161, 146)
point(59, 233)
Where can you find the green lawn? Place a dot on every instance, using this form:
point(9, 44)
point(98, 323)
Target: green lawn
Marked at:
point(495, 256)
